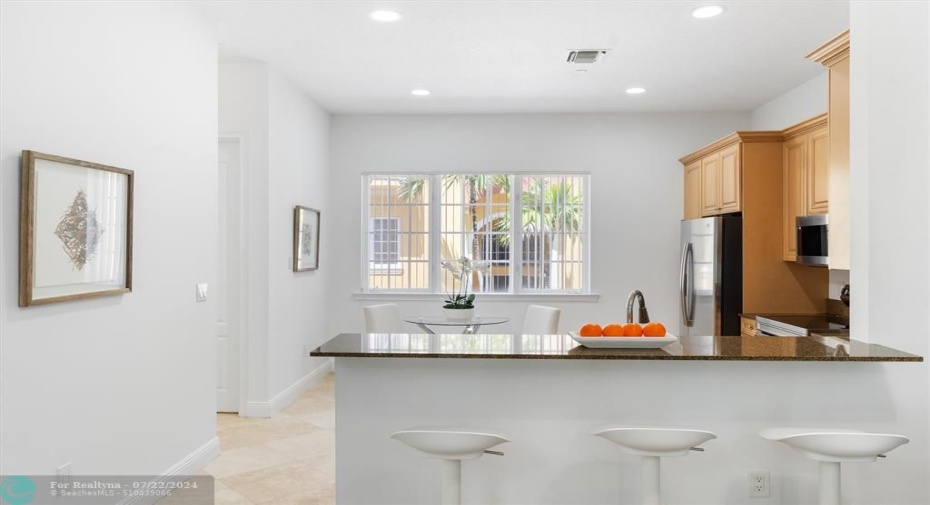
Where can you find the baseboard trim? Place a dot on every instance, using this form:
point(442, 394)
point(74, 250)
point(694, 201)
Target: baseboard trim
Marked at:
point(256, 409)
point(190, 465)
point(286, 397)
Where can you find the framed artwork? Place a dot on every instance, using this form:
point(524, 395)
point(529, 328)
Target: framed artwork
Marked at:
point(75, 230)
point(306, 239)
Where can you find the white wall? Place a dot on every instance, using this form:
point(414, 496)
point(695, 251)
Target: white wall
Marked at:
point(802, 102)
point(637, 194)
point(889, 133)
point(287, 148)
point(298, 175)
point(125, 384)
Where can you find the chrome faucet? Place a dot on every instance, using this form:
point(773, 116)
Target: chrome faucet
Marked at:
point(643, 314)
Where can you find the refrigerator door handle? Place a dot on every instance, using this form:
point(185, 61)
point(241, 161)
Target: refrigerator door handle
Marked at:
point(684, 294)
point(690, 283)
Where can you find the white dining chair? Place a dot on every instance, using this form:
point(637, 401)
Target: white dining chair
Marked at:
point(384, 318)
point(541, 320)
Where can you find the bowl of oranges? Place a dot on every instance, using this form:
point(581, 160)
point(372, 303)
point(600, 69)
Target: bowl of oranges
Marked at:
point(618, 336)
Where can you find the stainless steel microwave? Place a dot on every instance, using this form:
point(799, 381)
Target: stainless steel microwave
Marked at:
point(812, 240)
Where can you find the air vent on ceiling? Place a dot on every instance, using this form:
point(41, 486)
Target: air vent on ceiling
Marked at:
point(586, 55)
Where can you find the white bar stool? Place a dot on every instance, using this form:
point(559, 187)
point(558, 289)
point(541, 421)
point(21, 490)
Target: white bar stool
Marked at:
point(831, 447)
point(451, 445)
point(652, 444)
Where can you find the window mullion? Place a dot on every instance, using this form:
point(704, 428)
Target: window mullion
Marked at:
point(516, 234)
point(586, 237)
point(365, 279)
point(435, 233)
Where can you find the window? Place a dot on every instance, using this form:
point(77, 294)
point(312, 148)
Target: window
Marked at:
point(530, 229)
point(385, 243)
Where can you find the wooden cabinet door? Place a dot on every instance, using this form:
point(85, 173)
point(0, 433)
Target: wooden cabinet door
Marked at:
point(794, 157)
point(710, 185)
point(818, 172)
point(693, 190)
point(729, 180)
point(839, 230)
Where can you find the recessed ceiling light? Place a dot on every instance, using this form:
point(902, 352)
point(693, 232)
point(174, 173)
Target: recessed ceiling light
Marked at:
point(385, 16)
point(635, 91)
point(420, 92)
point(707, 11)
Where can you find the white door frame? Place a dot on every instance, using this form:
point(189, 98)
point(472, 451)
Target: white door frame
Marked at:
point(240, 305)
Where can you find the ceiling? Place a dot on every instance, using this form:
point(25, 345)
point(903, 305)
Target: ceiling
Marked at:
point(509, 56)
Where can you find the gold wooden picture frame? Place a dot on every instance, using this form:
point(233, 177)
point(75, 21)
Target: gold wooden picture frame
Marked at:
point(75, 230)
point(306, 239)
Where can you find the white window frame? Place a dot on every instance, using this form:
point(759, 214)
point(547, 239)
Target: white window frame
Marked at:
point(517, 292)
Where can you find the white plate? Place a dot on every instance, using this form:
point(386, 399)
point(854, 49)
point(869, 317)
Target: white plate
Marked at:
point(624, 342)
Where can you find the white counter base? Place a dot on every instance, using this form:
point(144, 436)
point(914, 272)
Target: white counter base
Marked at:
point(550, 407)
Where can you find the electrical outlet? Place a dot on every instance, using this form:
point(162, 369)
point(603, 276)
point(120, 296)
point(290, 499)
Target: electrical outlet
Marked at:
point(759, 484)
point(63, 475)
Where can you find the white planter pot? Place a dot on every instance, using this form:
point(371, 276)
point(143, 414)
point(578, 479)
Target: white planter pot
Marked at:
point(458, 314)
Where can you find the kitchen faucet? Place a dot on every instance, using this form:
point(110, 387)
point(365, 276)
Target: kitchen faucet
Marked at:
point(643, 314)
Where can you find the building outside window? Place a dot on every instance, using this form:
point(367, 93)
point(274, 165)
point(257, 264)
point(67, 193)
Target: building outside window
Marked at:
point(385, 241)
point(529, 227)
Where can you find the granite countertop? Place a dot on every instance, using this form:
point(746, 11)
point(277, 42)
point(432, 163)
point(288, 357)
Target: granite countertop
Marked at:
point(507, 346)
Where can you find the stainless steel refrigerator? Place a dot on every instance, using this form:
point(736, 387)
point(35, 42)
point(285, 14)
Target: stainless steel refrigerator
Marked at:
point(711, 278)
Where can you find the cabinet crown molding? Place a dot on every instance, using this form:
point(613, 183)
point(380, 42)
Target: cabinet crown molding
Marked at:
point(805, 126)
point(835, 50)
point(757, 136)
point(747, 136)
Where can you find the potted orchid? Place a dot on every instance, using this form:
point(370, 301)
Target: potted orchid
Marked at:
point(460, 305)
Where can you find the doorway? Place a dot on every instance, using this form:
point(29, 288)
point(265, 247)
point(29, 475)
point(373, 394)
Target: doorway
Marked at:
point(230, 334)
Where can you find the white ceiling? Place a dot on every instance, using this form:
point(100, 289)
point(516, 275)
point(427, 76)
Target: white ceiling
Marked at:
point(509, 56)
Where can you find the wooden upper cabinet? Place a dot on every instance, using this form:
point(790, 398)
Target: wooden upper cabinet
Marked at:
point(818, 171)
point(710, 185)
point(836, 57)
point(793, 155)
point(806, 180)
point(693, 190)
point(729, 180)
point(715, 173)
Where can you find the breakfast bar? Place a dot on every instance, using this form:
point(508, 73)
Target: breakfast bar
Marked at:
point(548, 394)
point(506, 346)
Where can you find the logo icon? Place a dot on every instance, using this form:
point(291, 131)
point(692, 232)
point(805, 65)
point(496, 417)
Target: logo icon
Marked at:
point(18, 490)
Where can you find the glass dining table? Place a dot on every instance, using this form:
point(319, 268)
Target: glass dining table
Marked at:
point(469, 326)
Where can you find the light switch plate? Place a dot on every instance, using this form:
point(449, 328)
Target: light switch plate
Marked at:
point(202, 292)
point(63, 475)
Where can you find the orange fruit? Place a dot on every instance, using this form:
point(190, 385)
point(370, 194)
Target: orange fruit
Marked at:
point(613, 330)
point(632, 330)
point(654, 330)
point(591, 330)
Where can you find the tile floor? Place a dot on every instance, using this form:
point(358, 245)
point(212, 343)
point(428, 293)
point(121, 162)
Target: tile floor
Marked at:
point(286, 460)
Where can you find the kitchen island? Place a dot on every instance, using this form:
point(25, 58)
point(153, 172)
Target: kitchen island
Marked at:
point(548, 394)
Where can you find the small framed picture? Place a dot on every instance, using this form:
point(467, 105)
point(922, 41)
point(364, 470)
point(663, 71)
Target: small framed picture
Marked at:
point(75, 230)
point(306, 239)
